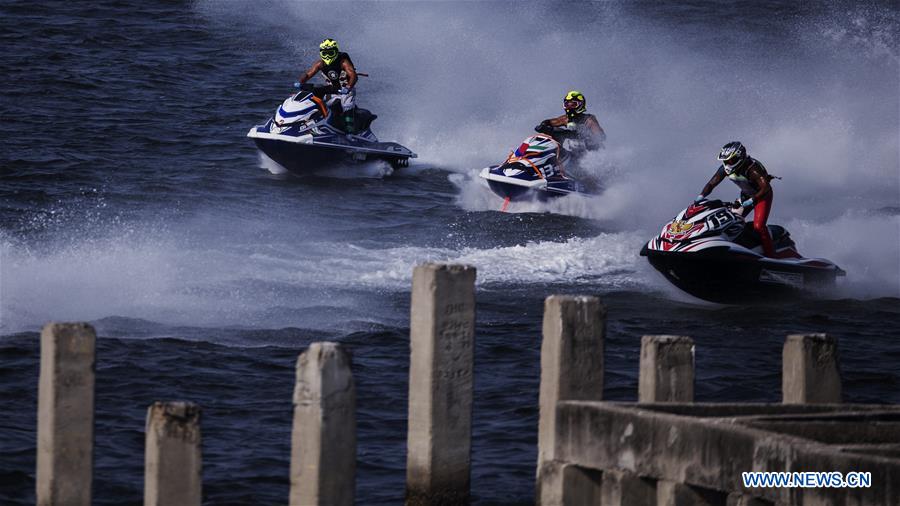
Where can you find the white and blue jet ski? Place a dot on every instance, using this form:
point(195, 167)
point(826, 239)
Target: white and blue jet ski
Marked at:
point(533, 170)
point(710, 252)
point(303, 135)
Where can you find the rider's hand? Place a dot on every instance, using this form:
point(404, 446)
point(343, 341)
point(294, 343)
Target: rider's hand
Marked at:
point(698, 198)
point(297, 84)
point(747, 203)
point(344, 91)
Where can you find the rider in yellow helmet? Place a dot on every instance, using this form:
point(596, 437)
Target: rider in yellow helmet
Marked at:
point(577, 125)
point(338, 69)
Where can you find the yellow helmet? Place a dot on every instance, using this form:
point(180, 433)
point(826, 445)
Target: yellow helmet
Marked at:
point(574, 103)
point(328, 51)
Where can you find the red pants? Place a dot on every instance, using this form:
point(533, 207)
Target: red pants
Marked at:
point(760, 216)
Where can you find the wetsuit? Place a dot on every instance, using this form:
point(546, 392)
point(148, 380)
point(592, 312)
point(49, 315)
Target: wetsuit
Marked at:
point(753, 180)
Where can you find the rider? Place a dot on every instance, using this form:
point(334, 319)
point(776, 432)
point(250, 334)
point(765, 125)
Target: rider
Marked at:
point(338, 69)
point(756, 192)
point(581, 128)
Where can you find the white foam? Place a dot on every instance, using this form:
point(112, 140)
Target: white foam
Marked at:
point(270, 165)
point(865, 245)
point(174, 280)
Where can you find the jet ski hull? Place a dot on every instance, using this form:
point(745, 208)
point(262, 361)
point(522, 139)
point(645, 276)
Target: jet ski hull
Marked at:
point(719, 275)
point(521, 187)
point(305, 154)
point(303, 137)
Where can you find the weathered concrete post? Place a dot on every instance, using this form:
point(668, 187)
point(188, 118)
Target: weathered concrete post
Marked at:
point(65, 442)
point(323, 442)
point(173, 470)
point(667, 369)
point(810, 370)
point(442, 340)
point(666, 375)
point(571, 369)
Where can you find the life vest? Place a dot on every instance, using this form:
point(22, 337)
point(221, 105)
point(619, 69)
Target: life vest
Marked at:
point(739, 176)
point(334, 72)
point(592, 140)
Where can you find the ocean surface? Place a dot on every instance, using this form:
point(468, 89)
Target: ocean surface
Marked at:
point(131, 198)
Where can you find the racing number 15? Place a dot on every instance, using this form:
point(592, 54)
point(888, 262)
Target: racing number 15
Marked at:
point(720, 218)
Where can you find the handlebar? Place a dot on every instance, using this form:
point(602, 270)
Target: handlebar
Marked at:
point(319, 90)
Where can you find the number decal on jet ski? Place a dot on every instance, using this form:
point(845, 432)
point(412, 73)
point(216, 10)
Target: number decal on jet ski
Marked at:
point(720, 218)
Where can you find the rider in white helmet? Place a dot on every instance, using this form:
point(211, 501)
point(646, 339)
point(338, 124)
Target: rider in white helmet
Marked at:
point(756, 193)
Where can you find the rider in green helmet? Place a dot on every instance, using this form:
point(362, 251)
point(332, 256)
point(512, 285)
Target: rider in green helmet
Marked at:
point(338, 69)
point(580, 128)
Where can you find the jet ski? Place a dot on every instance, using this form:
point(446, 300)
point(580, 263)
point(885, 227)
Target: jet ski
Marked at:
point(533, 170)
point(303, 135)
point(710, 252)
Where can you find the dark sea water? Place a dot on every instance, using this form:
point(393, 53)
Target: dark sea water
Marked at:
point(131, 198)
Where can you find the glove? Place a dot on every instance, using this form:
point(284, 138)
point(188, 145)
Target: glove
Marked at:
point(344, 91)
point(545, 125)
point(698, 198)
point(747, 203)
point(296, 84)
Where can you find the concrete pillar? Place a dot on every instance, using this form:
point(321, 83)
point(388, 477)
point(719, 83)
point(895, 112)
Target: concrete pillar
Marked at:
point(738, 499)
point(442, 340)
point(667, 369)
point(810, 370)
point(65, 441)
point(323, 441)
point(173, 470)
point(571, 365)
point(626, 489)
point(569, 485)
point(669, 493)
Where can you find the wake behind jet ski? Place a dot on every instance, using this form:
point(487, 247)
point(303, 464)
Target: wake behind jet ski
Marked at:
point(710, 252)
point(304, 134)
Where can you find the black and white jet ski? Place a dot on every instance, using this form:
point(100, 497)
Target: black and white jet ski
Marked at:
point(303, 137)
point(533, 170)
point(710, 252)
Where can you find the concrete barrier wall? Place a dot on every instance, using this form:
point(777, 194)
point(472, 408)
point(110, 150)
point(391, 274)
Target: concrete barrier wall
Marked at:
point(711, 453)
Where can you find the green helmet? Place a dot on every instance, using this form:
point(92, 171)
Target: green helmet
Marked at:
point(328, 51)
point(574, 103)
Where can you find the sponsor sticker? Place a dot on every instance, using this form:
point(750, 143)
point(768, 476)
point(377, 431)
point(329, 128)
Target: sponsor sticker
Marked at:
point(794, 279)
point(679, 227)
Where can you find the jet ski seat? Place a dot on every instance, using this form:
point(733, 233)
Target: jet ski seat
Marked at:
point(363, 118)
point(750, 239)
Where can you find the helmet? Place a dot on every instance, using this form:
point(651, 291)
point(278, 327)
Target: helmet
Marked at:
point(732, 155)
point(574, 103)
point(328, 50)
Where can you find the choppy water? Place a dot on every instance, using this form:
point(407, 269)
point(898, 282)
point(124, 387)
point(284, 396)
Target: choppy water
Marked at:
point(132, 199)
